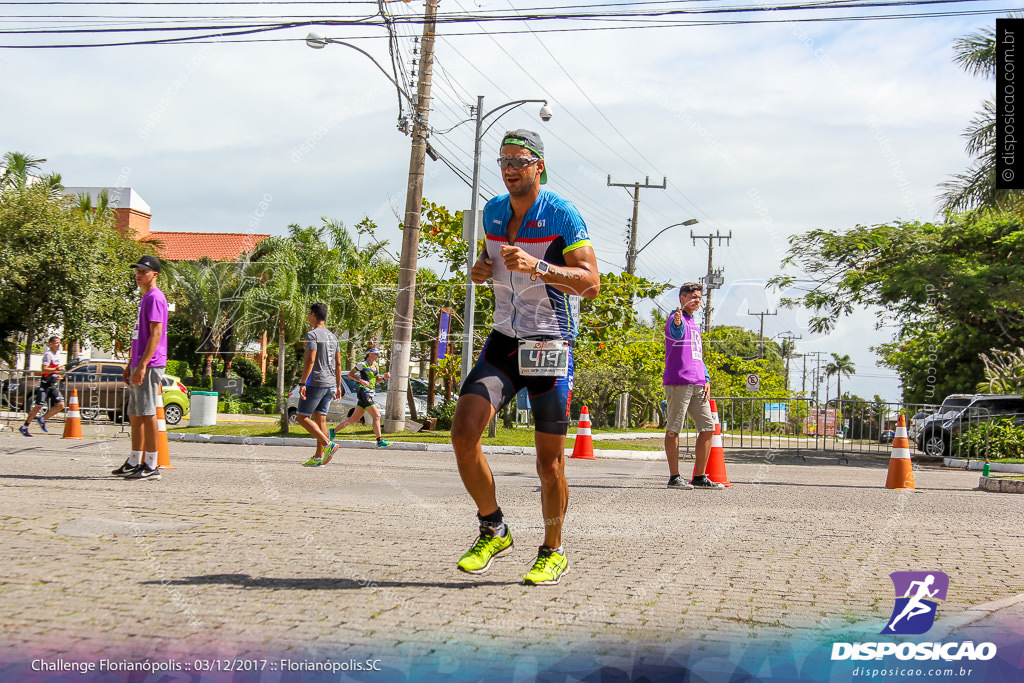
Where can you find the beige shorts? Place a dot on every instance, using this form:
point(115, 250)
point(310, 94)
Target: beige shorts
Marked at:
point(683, 399)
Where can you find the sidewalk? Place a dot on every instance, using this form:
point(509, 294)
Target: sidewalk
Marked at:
point(240, 552)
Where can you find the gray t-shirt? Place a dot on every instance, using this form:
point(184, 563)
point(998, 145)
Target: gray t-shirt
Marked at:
point(323, 341)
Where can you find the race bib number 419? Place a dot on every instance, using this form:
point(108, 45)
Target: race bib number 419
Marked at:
point(544, 358)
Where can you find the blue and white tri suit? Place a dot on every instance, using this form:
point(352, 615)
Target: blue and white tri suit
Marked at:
point(527, 308)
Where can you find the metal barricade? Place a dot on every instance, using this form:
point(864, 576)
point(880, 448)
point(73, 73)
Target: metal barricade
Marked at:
point(101, 399)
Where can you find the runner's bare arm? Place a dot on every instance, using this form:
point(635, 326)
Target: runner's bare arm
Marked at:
point(578, 276)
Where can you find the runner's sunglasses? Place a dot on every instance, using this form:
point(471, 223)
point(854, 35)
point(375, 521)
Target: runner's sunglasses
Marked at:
point(516, 162)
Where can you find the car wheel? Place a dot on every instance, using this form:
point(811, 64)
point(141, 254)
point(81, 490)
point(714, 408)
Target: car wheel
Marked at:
point(935, 445)
point(89, 413)
point(172, 413)
point(292, 412)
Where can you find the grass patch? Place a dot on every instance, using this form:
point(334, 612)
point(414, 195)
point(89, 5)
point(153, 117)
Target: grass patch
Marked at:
point(505, 437)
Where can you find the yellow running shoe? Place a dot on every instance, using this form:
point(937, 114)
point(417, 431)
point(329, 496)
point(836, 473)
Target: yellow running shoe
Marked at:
point(478, 559)
point(548, 569)
point(313, 462)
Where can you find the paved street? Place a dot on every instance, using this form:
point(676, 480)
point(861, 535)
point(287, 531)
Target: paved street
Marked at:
point(239, 550)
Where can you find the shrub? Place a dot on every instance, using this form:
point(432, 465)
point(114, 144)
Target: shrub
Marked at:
point(248, 371)
point(257, 395)
point(996, 439)
point(178, 368)
point(444, 412)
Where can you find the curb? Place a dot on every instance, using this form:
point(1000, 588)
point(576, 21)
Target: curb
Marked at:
point(395, 446)
point(960, 463)
point(997, 485)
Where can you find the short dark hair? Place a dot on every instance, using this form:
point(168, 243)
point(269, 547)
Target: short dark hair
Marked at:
point(688, 287)
point(53, 339)
point(319, 310)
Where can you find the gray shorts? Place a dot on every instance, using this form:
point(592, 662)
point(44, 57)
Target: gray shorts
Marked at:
point(142, 398)
point(683, 399)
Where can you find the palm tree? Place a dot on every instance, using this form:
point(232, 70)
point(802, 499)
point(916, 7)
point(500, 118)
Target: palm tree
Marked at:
point(17, 169)
point(840, 365)
point(976, 187)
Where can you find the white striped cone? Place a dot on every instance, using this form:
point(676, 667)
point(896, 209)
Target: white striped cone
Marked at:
point(584, 446)
point(72, 418)
point(163, 458)
point(901, 473)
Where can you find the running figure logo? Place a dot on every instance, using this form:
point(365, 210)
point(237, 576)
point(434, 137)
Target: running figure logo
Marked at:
point(917, 596)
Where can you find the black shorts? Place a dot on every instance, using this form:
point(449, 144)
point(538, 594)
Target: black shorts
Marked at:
point(364, 399)
point(48, 390)
point(496, 378)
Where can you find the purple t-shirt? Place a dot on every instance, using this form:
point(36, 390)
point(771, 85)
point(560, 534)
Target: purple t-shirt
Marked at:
point(152, 308)
point(684, 354)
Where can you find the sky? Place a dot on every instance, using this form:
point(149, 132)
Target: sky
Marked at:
point(760, 131)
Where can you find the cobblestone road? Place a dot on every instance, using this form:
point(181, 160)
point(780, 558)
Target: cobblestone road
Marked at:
point(239, 550)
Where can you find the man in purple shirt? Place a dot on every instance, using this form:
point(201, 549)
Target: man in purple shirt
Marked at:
point(687, 390)
point(144, 373)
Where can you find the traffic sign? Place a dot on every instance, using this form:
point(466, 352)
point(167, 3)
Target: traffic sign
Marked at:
point(753, 383)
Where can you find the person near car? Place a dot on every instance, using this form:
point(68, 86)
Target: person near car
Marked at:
point(144, 372)
point(366, 374)
point(48, 390)
point(321, 383)
point(687, 390)
point(538, 255)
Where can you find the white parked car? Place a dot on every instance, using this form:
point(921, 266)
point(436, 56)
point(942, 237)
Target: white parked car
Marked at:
point(344, 406)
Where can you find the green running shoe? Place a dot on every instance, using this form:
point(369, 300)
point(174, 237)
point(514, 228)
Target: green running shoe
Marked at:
point(383, 443)
point(330, 433)
point(313, 462)
point(478, 559)
point(548, 569)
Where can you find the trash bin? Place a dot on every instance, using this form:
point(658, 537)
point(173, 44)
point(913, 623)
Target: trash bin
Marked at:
point(204, 409)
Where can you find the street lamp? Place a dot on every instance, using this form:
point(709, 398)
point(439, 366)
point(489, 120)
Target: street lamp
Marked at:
point(319, 42)
point(631, 258)
point(471, 221)
point(401, 342)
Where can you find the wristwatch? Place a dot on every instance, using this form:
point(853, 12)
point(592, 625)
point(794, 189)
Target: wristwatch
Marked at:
point(542, 268)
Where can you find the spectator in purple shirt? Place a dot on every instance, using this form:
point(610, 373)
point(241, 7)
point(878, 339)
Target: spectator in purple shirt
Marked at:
point(144, 373)
point(687, 390)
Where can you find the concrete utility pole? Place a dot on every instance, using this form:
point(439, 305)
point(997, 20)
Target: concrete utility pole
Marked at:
point(760, 336)
point(817, 371)
point(788, 350)
point(631, 245)
point(622, 407)
point(401, 343)
point(713, 280)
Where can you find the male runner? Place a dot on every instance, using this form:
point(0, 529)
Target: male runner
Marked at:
point(366, 373)
point(48, 389)
point(537, 253)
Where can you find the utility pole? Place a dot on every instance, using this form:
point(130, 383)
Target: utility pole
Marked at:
point(714, 279)
point(622, 407)
point(817, 371)
point(788, 350)
point(401, 343)
point(760, 336)
point(631, 245)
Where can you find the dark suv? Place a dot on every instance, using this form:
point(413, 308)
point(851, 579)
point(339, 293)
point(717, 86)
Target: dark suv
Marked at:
point(937, 434)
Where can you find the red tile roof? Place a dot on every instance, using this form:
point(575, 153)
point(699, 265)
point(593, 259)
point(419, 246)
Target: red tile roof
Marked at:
point(192, 246)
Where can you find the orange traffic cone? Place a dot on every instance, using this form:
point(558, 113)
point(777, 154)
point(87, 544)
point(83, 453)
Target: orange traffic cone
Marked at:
point(716, 461)
point(584, 446)
point(163, 453)
point(72, 418)
point(901, 472)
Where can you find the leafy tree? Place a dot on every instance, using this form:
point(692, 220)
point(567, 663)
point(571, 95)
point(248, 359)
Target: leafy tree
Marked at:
point(57, 268)
point(953, 290)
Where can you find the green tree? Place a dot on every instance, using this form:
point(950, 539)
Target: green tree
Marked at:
point(953, 290)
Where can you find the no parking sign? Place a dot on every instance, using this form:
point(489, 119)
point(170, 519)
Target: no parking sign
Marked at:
point(753, 383)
